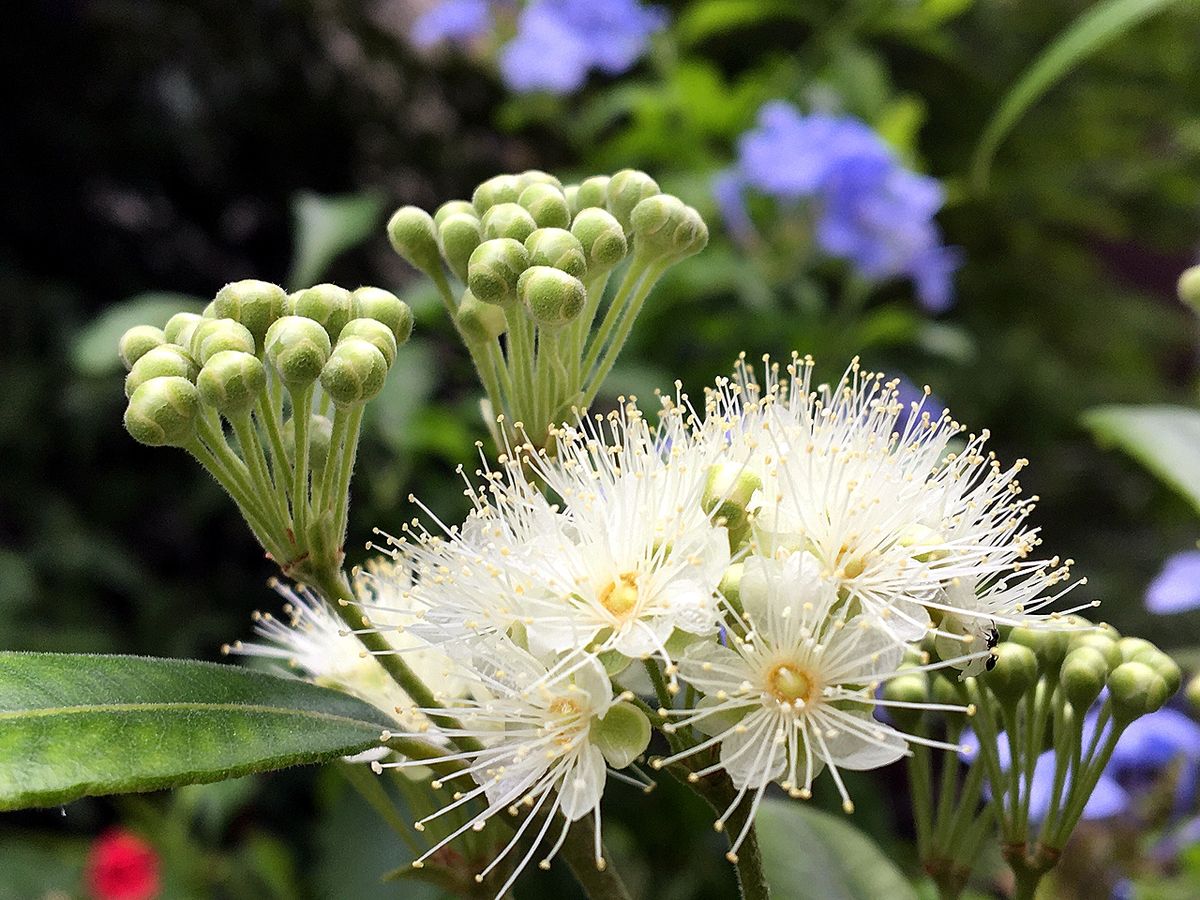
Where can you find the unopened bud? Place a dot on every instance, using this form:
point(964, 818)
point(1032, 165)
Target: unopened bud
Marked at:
point(537, 176)
point(1049, 644)
point(499, 189)
point(1132, 647)
point(1189, 287)
point(298, 349)
point(507, 220)
point(137, 342)
point(355, 372)
point(159, 362)
point(163, 411)
point(480, 322)
point(373, 332)
point(727, 494)
point(911, 687)
point(624, 191)
point(1193, 693)
point(452, 208)
point(255, 304)
point(458, 235)
point(925, 544)
point(602, 238)
point(327, 304)
point(231, 382)
point(622, 735)
point(1082, 675)
point(1014, 673)
point(212, 336)
point(592, 192)
point(383, 306)
point(547, 204)
point(557, 248)
point(1161, 663)
point(943, 687)
point(551, 296)
point(1135, 690)
point(320, 435)
point(664, 227)
point(210, 310)
point(730, 586)
point(1098, 640)
point(413, 236)
point(494, 268)
point(179, 328)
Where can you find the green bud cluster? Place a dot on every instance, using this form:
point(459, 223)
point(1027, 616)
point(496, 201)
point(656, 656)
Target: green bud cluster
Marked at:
point(289, 376)
point(542, 254)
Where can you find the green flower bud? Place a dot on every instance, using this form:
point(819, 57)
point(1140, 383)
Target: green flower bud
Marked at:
point(458, 236)
point(1135, 689)
point(256, 304)
point(480, 322)
point(137, 342)
point(373, 332)
point(179, 328)
point(452, 208)
point(1082, 676)
point(1048, 644)
point(355, 372)
point(557, 248)
point(210, 310)
point(327, 304)
point(547, 204)
point(731, 585)
point(160, 362)
point(1189, 287)
point(911, 687)
point(507, 220)
point(592, 192)
point(666, 227)
point(298, 349)
point(1132, 647)
point(1101, 641)
point(1161, 663)
point(162, 412)
point(500, 189)
point(624, 191)
point(215, 335)
point(414, 237)
point(622, 735)
point(942, 687)
point(231, 381)
point(726, 498)
point(1193, 693)
point(1015, 671)
point(320, 435)
point(383, 306)
point(551, 296)
point(537, 176)
point(571, 193)
point(494, 268)
point(602, 237)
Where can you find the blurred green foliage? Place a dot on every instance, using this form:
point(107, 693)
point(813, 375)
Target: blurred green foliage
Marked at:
point(167, 147)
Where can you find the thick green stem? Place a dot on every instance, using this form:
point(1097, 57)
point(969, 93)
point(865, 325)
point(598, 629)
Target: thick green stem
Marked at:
point(301, 410)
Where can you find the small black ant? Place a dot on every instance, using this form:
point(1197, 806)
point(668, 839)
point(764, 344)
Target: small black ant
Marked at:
point(993, 638)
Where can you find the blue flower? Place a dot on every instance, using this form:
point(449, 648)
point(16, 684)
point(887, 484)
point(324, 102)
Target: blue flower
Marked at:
point(1177, 587)
point(457, 21)
point(868, 208)
point(559, 41)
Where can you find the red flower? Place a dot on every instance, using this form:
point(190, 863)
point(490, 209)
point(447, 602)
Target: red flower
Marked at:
point(121, 866)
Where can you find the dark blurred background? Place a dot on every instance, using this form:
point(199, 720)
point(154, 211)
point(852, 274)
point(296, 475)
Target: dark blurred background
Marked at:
point(151, 149)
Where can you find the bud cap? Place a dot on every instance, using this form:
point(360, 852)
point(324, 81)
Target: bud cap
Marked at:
point(162, 412)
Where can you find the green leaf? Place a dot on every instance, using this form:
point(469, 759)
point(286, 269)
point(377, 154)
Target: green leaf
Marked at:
point(812, 855)
point(326, 227)
point(1164, 439)
point(94, 349)
point(79, 725)
point(717, 17)
point(1096, 27)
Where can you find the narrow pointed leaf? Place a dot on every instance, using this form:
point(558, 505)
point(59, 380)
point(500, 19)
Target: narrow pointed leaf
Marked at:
point(79, 725)
point(1164, 439)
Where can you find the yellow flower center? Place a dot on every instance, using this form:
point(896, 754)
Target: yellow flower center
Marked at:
point(621, 596)
point(789, 683)
point(851, 566)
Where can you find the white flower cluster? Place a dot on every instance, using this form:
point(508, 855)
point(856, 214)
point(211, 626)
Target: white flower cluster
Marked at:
point(781, 554)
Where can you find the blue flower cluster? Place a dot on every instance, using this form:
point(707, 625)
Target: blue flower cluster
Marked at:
point(869, 209)
point(1177, 587)
point(557, 42)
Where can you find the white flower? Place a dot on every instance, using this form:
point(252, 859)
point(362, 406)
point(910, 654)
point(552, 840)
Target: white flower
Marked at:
point(894, 515)
point(314, 641)
point(629, 556)
point(534, 725)
point(795, 690)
